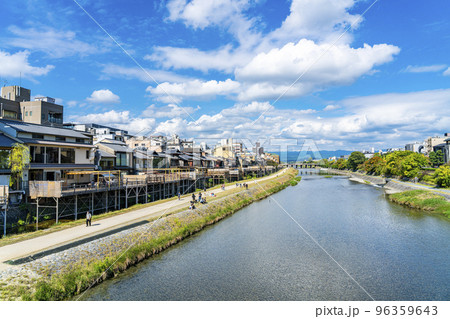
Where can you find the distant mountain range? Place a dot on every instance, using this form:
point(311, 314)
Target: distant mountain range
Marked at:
point(293, 156)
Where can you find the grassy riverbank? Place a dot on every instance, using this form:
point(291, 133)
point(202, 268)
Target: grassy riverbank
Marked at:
point(78, 277)
point(422, 200)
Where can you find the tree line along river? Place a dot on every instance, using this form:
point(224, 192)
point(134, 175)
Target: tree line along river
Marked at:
point(260, 253)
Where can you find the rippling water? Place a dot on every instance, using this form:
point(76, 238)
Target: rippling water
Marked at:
point(260, 253)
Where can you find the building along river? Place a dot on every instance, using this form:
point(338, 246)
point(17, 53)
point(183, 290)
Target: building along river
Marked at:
point(260, 253)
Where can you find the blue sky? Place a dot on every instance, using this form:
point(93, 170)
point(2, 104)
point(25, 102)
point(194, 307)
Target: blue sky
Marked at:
point(256, 70)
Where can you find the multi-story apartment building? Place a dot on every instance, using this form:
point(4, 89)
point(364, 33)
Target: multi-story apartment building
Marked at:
point(152, 143)
point(16, 104)
point(99, 132)
point(431, 142)
point(414, 147)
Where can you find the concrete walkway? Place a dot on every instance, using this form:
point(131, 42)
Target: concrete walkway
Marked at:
point(64, 237)
point(438, 191)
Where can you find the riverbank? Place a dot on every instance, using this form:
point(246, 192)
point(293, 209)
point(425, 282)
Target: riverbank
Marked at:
point(423, 200)
point(68, 273)
point(408, 194)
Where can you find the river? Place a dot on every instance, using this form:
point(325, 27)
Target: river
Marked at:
point(260, 253)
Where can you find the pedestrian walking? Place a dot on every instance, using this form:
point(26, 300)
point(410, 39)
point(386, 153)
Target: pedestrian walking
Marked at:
point(199, 196)
point(88, 219)
point(193, 197)
point(179, 196)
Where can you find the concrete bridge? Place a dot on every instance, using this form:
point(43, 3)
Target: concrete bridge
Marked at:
point(302, 165)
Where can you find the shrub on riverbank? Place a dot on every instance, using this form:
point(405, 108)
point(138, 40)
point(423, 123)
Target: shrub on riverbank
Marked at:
point(169, 231)
point(423, 200)
point(295, 180)
point(442, 176)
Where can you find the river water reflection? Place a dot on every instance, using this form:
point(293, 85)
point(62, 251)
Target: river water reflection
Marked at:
point(260, 253)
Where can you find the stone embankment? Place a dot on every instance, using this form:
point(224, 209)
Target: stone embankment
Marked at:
point(390, 186)
point(358, 177)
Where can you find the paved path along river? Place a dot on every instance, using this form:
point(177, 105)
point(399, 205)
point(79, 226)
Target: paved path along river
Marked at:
point(67, 236)
point(260, 253)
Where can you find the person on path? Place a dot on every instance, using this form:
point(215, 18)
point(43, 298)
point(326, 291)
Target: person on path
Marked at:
point(88, 219)
point(193, 197)
point(199, 196)
point(179, 196)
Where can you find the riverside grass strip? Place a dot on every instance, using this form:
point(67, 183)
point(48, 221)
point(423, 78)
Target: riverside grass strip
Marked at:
point(77, 277)
point(422, 200)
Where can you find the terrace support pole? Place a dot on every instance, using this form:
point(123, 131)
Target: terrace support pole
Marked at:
point(57, 208)
point(4, 223)
point(106, 208)
point(146, 193)
point(37, 213)
point(76, 207)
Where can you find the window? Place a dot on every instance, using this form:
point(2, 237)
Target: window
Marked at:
point(87, 154)
point(121, 159)
point(80, 140)
point(37, 154)
point(31, 112)
point(60, 138)
point(9, 114)
point(67, 156)
point(26, 113)
point(52, 154)
point(38, 136)
point(55, 118)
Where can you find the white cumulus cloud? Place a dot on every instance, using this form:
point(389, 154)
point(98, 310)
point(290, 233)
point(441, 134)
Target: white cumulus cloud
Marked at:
point(103, 97)
point(195, 89)
point(14, 65)
point(106, 118)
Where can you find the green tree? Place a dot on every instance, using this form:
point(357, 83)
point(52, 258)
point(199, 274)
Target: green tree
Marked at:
point(19, 160)
point(405, 163)
point(355, 159)
point(374, 165)
point(436, 158)
point(324, 162)
point(442, 176)
point(339, 164)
